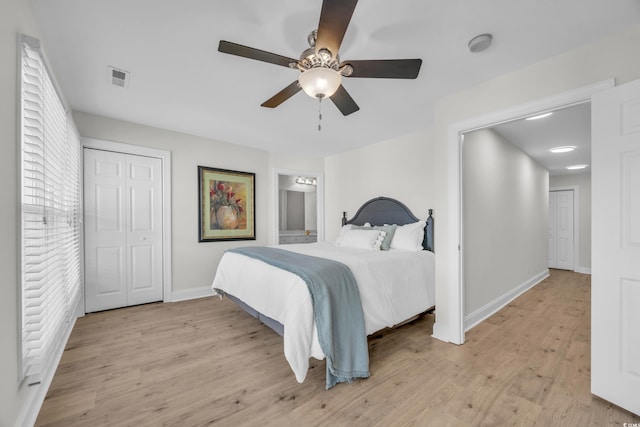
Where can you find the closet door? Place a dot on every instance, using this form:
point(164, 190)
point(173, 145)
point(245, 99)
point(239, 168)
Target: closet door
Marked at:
point(105, 230)
point(144, 230)
point(123, 229)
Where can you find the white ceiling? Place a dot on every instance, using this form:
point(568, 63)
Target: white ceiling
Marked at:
point(180, 82)
point(567, 126)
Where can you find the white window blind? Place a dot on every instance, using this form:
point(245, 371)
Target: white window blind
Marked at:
point(51, 210)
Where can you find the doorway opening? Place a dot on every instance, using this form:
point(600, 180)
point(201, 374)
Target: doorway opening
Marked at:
point(455, 327)
point(299, 207)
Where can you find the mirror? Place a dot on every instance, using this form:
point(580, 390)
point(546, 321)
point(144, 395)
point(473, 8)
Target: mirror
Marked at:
point(298, 210)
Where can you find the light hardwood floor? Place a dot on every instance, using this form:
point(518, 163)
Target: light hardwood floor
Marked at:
point(206, 362)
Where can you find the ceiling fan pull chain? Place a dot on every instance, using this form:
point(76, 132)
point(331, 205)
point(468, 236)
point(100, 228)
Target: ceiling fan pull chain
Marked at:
point(319, 113)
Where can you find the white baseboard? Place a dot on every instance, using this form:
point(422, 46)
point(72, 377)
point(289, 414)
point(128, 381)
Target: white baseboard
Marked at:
point(494, 306)
point(194, 293)
point(440, 333)
point(583, 270)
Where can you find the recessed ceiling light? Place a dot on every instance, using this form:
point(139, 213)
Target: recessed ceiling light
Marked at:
point(576, 167)
point(564, 149)
point(539, 116)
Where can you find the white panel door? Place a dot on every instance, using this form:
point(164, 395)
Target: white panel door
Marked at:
point(564, 227)
point(561, 230)
point(105, 230)
point(615, 279)
point(144, 234)
point(123, 229)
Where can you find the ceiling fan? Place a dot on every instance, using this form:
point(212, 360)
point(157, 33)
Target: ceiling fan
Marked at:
point(320, 68)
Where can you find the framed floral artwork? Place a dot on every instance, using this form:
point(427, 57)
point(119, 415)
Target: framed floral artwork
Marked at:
point(227, 205)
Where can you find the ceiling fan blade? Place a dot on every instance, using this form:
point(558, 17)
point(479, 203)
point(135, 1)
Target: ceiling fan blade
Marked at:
point(385, 68)
point(344, 101)
point(282, 96)
point(334, 20)
point(252, 53)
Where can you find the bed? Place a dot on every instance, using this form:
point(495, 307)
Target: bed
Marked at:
point(393, 285)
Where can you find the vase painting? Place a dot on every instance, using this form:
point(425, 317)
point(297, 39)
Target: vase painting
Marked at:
point(227, 204)
point(227, 201)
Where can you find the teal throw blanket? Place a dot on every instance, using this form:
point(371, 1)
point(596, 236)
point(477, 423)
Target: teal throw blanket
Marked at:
point(337, 309)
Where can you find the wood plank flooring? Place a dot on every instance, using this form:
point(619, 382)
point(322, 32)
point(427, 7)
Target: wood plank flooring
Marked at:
point(206, 362)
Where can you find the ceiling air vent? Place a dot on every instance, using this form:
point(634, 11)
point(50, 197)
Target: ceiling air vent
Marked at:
point(118, 77)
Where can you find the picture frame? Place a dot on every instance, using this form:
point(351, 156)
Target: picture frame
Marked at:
point(226, 207)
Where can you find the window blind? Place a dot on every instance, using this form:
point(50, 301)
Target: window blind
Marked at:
point(51, 210)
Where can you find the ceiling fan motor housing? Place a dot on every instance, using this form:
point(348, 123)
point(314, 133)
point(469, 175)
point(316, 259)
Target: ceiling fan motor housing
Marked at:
point(310, 59)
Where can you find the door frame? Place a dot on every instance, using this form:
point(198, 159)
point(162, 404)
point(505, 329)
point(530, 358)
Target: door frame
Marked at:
point(454, 331)
point(319, 176)
point(165, 158)
point(576, 223)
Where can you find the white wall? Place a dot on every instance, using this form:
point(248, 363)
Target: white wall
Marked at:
point(402, 168)
point(583, 182)
point(15, 17)
point(414, 168)
point(194, 263)
point(505, 214)
point(611, 57)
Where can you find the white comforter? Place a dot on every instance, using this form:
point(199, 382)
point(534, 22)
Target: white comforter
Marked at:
point(393, 286)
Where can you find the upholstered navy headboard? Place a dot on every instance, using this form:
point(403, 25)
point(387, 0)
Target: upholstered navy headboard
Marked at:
point(385, 210)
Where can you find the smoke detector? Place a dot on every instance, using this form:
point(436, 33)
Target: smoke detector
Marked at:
point(118, 77)
point(480, 43)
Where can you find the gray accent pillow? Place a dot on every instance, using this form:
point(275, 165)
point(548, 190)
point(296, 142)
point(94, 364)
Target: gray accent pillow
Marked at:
point(390, 229)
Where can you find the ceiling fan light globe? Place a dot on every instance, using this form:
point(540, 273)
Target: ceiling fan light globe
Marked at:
point(320, 82)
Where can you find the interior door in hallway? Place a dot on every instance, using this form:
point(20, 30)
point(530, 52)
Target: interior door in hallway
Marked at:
point(123, 229)
point(561, 230)
point(615, 279)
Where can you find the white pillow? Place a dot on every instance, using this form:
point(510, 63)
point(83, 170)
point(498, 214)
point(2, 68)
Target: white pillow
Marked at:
point(409, 237)
point(343, 230)
point(362, 239)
